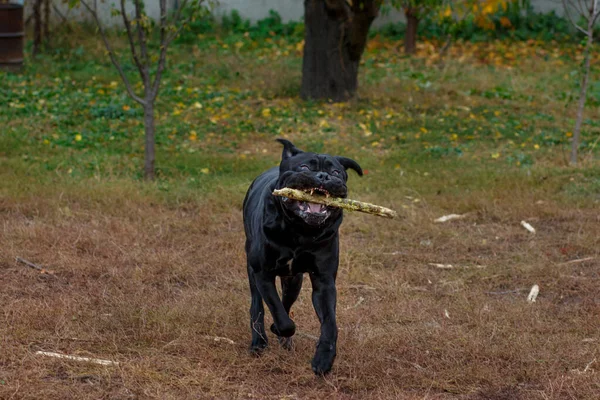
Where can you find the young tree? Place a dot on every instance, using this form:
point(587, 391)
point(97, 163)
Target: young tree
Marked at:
point(415, 11)
point(589, 10)
point(140, 32)
point(335, 38)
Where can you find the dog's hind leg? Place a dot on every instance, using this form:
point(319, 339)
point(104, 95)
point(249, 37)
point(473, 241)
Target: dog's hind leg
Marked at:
point(257, 317)
point(290, 289)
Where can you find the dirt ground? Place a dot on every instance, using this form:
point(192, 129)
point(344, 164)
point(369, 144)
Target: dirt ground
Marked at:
point(426, 310)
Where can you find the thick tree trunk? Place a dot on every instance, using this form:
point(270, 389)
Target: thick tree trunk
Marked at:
point(46, 30)
point(335, 38)
point(410, 37)
point(149, 142)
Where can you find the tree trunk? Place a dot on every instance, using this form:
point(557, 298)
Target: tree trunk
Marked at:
point(583, 92)
point(149, 142)
point(46, 31)
point(410, 37)
point(37, 26)
point(335, 38)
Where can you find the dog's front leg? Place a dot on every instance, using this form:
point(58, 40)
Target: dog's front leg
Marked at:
point(283, 325)
point(324, 299)
point(257, 317)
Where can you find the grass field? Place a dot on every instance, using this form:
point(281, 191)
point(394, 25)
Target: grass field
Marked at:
point(147, 274)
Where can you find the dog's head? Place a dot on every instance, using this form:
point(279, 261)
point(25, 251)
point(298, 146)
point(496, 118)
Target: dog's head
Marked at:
point(315, 173)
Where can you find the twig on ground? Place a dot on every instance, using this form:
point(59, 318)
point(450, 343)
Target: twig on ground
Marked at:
point(533, 293)
point(586, 369)
point(34, 266)
point(528, 227)
point(76, 358)
point(358, 303)
point(442, 266)
point(579, 260)
point(29, 263)
point(394, 253)
point(366, 287)
point(219, 339)
point(450, 217)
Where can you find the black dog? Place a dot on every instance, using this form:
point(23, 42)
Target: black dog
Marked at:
point(287, 238)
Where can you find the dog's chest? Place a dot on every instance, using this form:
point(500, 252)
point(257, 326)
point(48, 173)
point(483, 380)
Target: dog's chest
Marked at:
point(289, 265)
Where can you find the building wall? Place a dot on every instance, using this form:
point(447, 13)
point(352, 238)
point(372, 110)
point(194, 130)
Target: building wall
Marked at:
point(250, 9)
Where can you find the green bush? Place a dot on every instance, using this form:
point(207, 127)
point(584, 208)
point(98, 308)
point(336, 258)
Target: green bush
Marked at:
point(525, 24)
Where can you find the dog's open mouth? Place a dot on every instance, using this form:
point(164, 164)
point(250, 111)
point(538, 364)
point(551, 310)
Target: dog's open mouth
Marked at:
point(311, 213)
point(314, 208)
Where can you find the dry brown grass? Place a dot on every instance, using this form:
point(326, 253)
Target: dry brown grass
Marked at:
point(144, 283)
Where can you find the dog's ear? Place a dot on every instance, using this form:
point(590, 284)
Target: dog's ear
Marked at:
point(350, 163)
point(289, 149)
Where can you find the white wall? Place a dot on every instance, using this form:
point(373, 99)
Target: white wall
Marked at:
point(250, 9)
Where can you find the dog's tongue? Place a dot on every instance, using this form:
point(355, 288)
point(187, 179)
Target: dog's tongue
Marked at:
point(314, 207)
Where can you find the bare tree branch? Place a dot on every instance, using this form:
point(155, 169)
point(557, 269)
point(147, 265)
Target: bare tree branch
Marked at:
point(595, 12)
point(570, 18)
point(165, 39)
point(131, 39)
point(176, 19)
point(581, 9)
point(112, 55)
point(143, 45)
point(163, 48)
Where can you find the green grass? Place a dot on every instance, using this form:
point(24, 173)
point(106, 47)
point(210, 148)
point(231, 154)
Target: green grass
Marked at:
point(225, 99)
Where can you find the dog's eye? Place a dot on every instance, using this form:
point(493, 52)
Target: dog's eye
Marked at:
point(304, 167)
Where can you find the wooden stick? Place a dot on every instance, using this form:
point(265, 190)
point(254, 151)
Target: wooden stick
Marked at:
point(35, 266)
point(346, 204)
point(76, 358)
point(580, 260)
point(29, 264)
point(219, 339)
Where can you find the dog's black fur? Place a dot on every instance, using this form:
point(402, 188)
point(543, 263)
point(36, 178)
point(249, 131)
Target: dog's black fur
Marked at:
point(287, 238)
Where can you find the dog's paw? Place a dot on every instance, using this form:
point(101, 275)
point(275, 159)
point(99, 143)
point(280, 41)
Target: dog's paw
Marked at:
point(323, 359)
point(256, 349)
point(286, 342)
point(286, 330)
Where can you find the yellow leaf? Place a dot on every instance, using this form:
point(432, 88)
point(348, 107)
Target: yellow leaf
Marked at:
point(78, 138)
point(323, 124)
point(496, 155)
point(205, 171)
point(126, 107)
point(197, 105)
point(266, 112)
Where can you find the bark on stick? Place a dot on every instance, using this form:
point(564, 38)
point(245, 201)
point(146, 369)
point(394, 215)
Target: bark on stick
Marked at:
point(346, 204)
